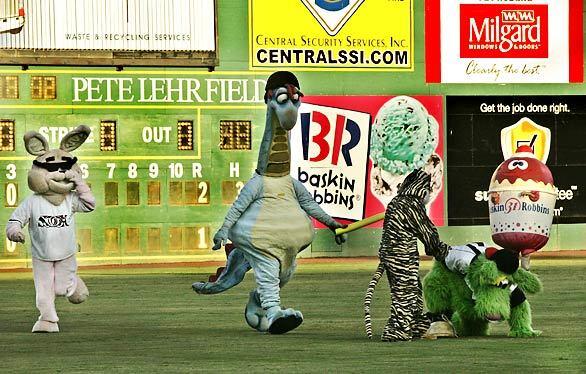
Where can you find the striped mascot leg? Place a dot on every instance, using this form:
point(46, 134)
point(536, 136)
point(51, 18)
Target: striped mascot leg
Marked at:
point(403, 282)
point(420, 322)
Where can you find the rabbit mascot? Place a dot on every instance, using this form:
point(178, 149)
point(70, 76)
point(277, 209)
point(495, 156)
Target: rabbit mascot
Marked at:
point(59, 192)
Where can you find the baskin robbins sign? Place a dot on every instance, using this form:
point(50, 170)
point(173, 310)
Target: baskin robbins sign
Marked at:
point(498, 41)
point(341, 151)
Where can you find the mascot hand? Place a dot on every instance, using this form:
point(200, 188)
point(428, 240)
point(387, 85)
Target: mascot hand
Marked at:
point(338, 238)
point(220, 239)
point(73, 176)
point(15, 235)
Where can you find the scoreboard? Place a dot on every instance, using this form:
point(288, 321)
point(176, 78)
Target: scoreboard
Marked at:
point(168, 154)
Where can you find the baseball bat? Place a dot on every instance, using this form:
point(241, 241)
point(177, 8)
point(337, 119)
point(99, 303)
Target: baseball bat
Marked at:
point(360, 224)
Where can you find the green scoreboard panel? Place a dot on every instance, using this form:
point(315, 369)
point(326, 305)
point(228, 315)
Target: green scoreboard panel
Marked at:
point(168, 154)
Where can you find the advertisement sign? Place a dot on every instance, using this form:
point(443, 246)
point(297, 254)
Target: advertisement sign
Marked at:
point(526, 132)
point(334, 34)
point(125, 31)
point(340, 152)
point(484, 130)
point(516, 41)
point(334, 157)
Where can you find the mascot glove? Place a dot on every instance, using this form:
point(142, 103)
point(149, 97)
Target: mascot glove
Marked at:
point(338, 238)
point(73, 177)
point(14, 233)
point(220, 239)
point(76, 179)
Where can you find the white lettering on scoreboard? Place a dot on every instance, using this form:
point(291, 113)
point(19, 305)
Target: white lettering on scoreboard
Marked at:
point(54, 134)
point(167, 90)
point(156, 134)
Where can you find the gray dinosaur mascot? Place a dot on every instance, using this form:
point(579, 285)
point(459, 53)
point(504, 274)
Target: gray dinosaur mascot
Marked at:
point(59, 192)
point(269, 222)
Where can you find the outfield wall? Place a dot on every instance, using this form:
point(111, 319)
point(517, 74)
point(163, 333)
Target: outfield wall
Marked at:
point(171, 214)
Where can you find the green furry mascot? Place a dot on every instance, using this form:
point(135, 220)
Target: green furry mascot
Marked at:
point(476, 285)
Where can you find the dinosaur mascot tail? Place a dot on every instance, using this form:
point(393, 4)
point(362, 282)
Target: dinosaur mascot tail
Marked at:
point(368, 298)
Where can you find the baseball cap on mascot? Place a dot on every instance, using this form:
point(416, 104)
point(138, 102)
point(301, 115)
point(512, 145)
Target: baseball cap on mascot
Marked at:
point(506, 261)
point(521, 203)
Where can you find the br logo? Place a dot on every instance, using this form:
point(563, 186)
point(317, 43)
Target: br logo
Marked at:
point(329, 154)
point(313, 118)
point(512, 204)
point(332, 15)
point(328, 137)
point(526, 132)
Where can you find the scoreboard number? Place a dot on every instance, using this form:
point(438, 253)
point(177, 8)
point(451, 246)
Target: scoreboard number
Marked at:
point(132, 170)
point(202, 234)
point(10, 246)
point(85, 171)
point(11, 174)
point(203, 188)
point(239, 186)
point(11, 194)
point(176, 169)
point(111, 166)
point(153, 170)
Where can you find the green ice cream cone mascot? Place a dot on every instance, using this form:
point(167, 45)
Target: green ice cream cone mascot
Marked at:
point(269, 222)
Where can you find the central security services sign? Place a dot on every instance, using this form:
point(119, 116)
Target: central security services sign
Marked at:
point(331, 34)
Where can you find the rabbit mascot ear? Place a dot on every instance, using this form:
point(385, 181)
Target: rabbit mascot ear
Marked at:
point(75, 138)
point(35, 143)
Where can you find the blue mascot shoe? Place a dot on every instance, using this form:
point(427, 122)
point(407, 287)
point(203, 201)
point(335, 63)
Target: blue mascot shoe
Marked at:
point(255, 315)
point(282, 321)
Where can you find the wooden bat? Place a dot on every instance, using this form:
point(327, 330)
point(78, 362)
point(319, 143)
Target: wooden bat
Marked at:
point(360, 224)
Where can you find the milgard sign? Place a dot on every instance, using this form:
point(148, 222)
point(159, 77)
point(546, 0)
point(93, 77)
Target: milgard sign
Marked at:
point(497, 41)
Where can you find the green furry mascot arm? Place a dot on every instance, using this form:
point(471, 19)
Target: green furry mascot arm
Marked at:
point(527, 281)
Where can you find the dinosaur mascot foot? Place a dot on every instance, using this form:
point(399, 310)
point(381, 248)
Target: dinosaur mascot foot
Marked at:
point(45, 326)
point(200, 288)
point(255, 315)
point(80, 294)
point(282, 321)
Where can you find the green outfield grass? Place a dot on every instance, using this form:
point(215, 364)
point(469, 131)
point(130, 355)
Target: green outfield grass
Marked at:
point(149, 320)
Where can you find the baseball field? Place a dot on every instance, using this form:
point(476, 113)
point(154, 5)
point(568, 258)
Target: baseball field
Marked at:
point(148, 320)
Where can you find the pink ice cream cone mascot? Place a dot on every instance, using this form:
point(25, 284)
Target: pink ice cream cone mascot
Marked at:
point(521, 204)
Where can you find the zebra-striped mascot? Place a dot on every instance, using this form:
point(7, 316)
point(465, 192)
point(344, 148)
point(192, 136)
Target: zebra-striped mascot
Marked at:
point(405, 221)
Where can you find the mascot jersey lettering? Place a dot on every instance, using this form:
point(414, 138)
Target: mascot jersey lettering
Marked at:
point(460, 257)
point(51, 228)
